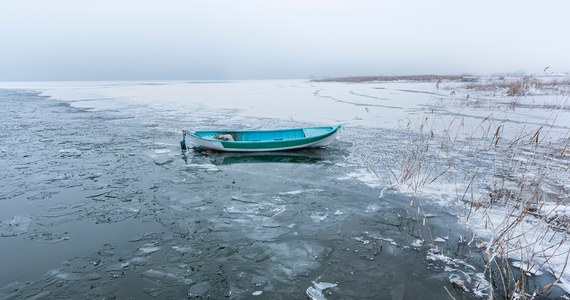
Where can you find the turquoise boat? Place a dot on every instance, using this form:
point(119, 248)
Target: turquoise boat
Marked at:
point(260, 140)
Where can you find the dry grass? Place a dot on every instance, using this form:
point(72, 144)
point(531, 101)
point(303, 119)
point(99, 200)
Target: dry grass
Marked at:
point(521, 87)
point(520, 189)
point(420, 165)
point(515, 172)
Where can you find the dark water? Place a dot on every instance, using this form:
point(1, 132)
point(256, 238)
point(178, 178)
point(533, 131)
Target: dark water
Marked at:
point(103, 205)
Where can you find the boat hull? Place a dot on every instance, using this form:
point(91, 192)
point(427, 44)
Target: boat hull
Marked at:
point(287, 139)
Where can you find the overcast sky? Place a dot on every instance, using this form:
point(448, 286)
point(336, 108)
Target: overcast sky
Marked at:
point(264, 39)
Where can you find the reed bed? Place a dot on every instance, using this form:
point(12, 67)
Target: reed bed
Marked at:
point(508, 183)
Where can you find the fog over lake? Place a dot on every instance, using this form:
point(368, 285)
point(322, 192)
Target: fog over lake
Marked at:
point(175, 39)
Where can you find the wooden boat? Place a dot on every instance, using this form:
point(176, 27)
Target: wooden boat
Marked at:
point(260, 140)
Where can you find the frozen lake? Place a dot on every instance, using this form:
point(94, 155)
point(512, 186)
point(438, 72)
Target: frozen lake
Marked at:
point(96, 198)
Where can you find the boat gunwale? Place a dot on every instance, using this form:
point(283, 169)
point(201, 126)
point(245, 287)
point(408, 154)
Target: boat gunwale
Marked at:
point(332, 130)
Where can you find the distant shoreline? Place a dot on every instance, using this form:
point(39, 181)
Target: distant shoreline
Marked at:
point(433, 78)
point(426, 78)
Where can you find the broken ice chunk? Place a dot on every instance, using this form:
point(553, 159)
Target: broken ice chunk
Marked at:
point(315, 292)
point(149, 248)
point(15, 226)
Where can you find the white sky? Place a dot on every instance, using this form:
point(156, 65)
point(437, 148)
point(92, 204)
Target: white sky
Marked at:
point(248, 39)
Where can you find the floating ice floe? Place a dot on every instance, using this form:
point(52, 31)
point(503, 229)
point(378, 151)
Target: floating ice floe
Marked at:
point(60, 274)
point(362, 240)
point(162, 151)
point(9, 288)
point(143, 236)
point(456, 281)
point(434, 254)
point(364, 176)
point(319, 216)
point(530, 270)
point(199, 289)
point(187, 250)
point(204, 167)
point(167, 274)
point(15, 226)
point(315, 292)
point(297, 192)
point(243, 199)
point(118, 267)
point(139, 261)
point(417, 243)
point(372, 208)
point(481, 286)
point(163, 161)
point(149, 248)
point(70, 152)
point(41, 295)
